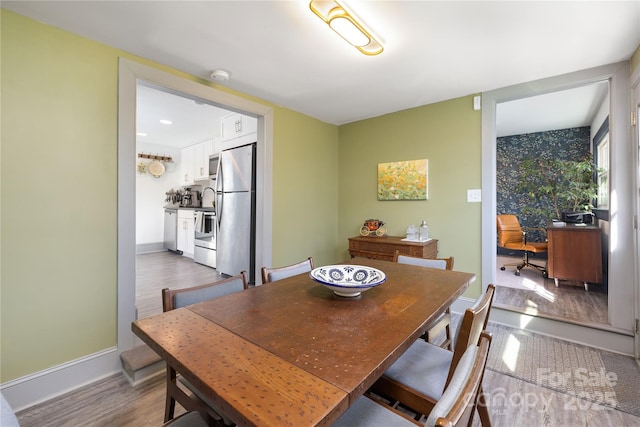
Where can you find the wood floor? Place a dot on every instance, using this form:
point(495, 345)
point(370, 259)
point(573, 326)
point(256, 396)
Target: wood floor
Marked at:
point(158, 270)
point(512, 402)
point(114, 402)
point(568, 301)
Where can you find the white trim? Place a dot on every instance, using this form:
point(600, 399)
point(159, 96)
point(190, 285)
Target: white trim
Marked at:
point(635, 107)
point(597, 338)
point(39, 387)
point(129, 72)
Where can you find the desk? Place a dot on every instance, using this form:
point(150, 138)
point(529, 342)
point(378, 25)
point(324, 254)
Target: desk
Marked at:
point(385, 246)
point(292, 353)
point(575, 253)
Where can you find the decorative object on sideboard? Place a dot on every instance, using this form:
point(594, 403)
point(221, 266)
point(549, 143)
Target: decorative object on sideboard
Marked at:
point(373, 226)
point(407, 180)
point(424, 231)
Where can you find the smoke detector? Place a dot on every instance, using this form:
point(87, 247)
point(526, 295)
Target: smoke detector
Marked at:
point(220, 75)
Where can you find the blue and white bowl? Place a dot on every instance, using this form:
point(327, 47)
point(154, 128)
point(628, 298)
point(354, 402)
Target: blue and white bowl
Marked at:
point(348, 280)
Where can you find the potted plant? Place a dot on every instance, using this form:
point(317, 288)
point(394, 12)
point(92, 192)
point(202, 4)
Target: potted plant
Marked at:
point(557, 187)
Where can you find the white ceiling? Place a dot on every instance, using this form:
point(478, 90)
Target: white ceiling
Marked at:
point(191, 121)
point(576, 107)
point(281, 52)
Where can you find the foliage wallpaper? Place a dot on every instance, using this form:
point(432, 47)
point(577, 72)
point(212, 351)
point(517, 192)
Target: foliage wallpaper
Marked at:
point(562, 144)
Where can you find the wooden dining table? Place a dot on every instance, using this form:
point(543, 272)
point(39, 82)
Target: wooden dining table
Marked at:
point(291, 352)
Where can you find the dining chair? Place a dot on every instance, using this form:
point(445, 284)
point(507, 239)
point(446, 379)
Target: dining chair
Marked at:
point(455, 408)
point(514, 237)
point(188, 419)
point(419, 377)
point(278, 273)
point(177, 298)
point(442, 323)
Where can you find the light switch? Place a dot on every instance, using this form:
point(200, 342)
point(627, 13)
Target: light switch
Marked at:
point(477, 103)
point(474, 196)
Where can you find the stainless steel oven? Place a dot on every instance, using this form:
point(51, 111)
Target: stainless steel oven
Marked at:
point(205, 238)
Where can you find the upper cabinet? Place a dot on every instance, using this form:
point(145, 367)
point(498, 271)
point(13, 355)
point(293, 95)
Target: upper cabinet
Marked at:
point(186, 165)
point(202, 151)
point(236, 125)
point(195, 161)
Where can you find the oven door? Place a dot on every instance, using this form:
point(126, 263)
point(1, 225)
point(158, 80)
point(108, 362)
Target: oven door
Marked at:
point(204, 251)
point(205, 233)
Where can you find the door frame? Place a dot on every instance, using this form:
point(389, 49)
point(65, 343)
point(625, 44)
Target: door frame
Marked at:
point(618, 335)
point(129, 73)
point(635, 139)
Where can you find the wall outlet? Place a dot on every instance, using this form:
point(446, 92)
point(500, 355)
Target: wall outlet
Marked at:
point(474, 196)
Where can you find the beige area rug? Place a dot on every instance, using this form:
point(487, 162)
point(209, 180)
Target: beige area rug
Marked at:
point(583, 373)
point(529, 280)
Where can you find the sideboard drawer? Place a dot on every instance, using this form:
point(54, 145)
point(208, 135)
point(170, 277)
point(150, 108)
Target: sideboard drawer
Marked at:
point(384, 247)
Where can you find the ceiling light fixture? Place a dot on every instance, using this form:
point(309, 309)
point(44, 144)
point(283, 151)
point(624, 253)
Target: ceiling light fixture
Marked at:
point(220, 75)
point(343, 22)
point(166, 122)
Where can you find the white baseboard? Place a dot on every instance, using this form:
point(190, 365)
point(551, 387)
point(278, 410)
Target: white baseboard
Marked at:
point(609, 340)
point(39, 387)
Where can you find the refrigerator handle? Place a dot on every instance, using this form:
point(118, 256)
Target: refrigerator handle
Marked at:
point(219, 198)
point(219, 190)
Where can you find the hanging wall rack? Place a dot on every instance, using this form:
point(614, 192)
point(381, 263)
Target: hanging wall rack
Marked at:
point(155, 157)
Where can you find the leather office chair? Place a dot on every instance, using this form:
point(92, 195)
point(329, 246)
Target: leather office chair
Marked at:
point(278, 273)
point(442, 323)
point(177, 298)
point(420, 376)
point(456, 407)
point(512, 236)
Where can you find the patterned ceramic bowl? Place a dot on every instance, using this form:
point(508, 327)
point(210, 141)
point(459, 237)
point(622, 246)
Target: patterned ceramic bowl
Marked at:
point(348, 280)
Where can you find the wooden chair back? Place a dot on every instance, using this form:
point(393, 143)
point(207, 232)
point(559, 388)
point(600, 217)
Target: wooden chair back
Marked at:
point(509, 231)
point(473, 323)
point(176, 298)
point(278, 273)
point(457, 405)
point(441, 263)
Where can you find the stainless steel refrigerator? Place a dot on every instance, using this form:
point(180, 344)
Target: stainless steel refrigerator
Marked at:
point(236, 211)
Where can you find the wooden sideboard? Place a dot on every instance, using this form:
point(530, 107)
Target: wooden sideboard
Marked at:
point(575, 253)
point(384, 247)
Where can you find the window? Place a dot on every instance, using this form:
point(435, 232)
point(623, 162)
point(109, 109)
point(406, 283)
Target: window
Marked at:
point(603, 172)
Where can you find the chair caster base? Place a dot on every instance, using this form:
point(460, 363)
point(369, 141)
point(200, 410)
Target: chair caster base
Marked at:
point(502, 268)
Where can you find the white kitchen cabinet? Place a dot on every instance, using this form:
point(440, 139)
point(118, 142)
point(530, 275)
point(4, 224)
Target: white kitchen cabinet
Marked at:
point(202, 151)
point(187, 165)
point(236, 125)
point(186, 231)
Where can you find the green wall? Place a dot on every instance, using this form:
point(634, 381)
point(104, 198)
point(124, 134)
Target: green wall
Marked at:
point(305, 187)
point(448, 134)
point(58, 177)
point(635, 59)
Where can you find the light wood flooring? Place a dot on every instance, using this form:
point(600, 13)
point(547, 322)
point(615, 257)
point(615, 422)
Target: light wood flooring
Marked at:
point(568, 301)
point(512, 402)
point(114, 402)
point(158, 270)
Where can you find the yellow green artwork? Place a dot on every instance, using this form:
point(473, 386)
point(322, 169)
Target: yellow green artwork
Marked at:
point(403, 180)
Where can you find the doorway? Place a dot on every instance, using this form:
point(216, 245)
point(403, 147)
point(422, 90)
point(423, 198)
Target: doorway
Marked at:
point(170, 127)
point(535, 134)
point(617, 334)
point(130, 73)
